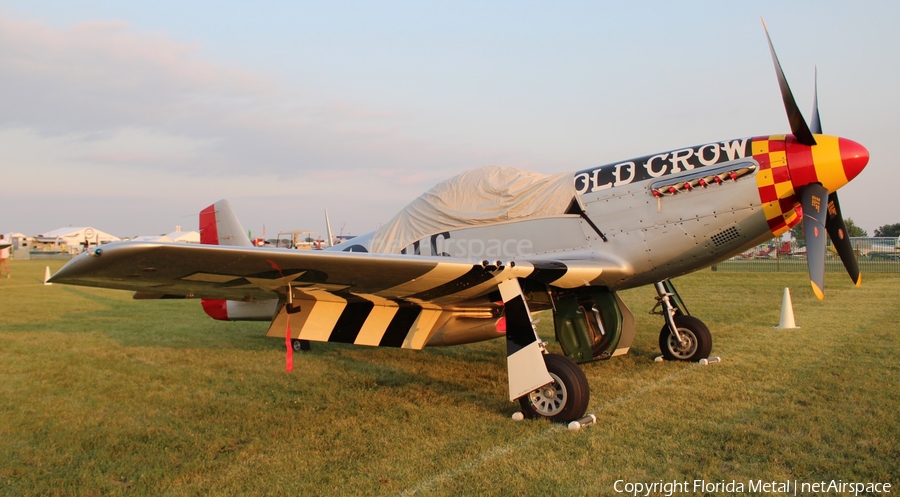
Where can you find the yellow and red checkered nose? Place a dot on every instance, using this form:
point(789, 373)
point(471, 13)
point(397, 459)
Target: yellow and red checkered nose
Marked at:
point(786, 166)
point(833, 161)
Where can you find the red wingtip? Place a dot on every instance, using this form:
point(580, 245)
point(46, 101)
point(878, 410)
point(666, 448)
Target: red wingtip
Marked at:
point(854, 157)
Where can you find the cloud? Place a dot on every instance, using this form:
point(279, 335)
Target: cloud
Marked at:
point(105, 78)
point(100, 75)
point(108, 125)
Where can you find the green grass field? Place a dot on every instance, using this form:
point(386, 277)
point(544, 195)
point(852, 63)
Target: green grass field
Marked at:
point(103, 395)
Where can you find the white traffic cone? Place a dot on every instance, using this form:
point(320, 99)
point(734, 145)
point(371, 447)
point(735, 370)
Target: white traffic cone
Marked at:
point(787, 312)
point(47, 276)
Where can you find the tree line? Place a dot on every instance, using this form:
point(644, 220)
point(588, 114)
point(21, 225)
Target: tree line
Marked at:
point(887, 230)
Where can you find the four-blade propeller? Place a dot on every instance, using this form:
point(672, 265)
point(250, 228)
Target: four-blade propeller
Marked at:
point(821, 209)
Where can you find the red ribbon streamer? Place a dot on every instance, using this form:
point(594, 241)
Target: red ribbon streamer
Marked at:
point(289, 360)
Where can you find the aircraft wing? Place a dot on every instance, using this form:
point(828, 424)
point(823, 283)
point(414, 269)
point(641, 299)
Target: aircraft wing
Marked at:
point(252, 273)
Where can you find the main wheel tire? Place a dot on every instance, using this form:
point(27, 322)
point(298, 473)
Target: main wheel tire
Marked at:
point(696, 341)
point(300, 345)
point(565, 399)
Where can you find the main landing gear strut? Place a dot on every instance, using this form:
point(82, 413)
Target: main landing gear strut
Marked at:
point(547, 385)
point(683, 337)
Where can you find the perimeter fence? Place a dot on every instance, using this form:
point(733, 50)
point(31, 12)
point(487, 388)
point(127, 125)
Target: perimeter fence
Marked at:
point(874, 255)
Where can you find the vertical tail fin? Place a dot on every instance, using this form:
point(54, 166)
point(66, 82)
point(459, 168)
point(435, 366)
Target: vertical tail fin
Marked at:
point(328, 228)
point(219, 226)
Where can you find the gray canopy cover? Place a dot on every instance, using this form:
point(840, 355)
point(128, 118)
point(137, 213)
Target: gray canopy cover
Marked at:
point(489, 194)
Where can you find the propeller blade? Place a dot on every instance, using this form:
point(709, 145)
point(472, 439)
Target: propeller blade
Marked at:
point(834, 222)
point(814, 197)
point(816, 125)
point(798, 124)
point(837, 230)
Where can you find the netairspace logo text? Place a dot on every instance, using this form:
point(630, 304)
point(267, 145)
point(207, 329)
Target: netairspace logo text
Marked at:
point(784, 487)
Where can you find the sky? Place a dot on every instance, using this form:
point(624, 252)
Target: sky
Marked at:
point(131, 117)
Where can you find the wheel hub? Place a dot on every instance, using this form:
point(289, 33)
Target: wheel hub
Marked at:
point(684, 347)
point(551, 399)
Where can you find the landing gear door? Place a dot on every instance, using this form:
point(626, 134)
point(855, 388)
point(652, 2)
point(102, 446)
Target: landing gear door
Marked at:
point(588, 323)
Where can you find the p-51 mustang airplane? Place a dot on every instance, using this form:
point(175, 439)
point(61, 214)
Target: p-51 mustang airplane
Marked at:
point(472, 258)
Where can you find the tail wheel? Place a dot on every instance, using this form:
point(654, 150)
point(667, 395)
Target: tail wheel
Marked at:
point(565, 399)
point(695, 344)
